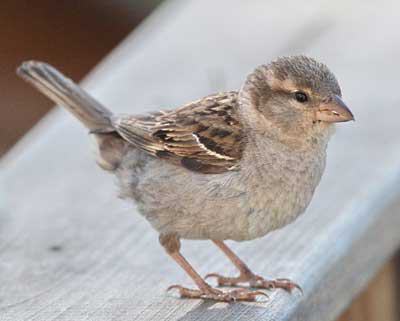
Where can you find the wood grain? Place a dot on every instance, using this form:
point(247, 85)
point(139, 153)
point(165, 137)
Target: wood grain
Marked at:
point(69, 250)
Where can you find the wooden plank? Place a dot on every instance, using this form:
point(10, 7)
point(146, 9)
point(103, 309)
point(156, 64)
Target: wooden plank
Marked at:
point(69, 250)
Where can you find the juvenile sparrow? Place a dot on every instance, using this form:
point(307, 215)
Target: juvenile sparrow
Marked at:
point(233, 165)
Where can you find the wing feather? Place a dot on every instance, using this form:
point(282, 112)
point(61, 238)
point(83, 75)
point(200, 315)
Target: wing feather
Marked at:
point(204, 136)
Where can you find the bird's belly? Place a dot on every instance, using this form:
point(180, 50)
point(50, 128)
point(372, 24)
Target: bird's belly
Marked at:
point(221, 206)
point(176, 200)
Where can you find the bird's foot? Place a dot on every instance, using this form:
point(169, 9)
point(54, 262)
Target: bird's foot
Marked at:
point(255, 281)
point(210, 293)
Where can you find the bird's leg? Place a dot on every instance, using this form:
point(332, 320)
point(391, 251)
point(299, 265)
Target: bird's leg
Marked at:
point(171, 244)
point(247, 276)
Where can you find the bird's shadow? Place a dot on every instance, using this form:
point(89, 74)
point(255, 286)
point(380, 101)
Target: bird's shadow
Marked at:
point(209, 310)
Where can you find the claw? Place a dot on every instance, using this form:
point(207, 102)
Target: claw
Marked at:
point(212, 275)
point(261, 293)
point(290, 285)
point(187, 293)
point(256, 281)
point(217, 295)
point(245, 294)
point(174, 286)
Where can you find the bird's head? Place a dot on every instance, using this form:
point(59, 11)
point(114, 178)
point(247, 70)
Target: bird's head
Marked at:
point(298, 94)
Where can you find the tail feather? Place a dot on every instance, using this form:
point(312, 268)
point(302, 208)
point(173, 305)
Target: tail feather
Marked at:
point(63, 91)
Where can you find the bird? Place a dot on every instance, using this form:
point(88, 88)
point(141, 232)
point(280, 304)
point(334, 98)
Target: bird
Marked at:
point(233, 165)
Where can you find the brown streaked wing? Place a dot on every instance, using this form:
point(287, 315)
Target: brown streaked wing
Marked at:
point(204, 136)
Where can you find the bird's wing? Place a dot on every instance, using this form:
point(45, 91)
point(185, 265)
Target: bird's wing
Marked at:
point(204, 136)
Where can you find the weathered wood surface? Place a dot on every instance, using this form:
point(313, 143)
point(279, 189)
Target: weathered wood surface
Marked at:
point(69, 250)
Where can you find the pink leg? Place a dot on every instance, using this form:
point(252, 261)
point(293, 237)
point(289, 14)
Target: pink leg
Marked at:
point(171, 244)
point(247, 276)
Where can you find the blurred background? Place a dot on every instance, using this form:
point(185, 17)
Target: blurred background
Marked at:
point(75, 36)
point(72, 35)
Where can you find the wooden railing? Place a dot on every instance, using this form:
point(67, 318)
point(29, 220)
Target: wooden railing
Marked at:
point(70, 250)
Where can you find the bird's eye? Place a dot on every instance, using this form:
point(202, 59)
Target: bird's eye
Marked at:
point(300, 96)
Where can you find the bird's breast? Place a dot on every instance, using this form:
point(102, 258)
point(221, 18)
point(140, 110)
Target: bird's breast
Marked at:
point(280, 185)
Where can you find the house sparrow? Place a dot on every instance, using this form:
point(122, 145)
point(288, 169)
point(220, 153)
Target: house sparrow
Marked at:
point(233, 165)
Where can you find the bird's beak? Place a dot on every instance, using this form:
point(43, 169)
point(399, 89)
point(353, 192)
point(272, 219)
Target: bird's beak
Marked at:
point(334, 111)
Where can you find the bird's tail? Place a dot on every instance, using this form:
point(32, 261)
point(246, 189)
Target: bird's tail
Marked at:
point(65, 92)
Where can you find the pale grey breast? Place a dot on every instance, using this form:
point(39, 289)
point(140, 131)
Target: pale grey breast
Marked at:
point(270, 190)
